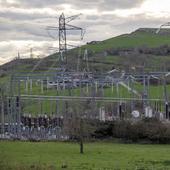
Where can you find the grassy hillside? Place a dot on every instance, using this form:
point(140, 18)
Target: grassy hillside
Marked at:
point(127, 52)
point(97, 60)
point(138, 38)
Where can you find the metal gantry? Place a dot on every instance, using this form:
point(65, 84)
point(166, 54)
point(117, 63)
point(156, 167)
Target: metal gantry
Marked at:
point(38, 101)
point(38, 104)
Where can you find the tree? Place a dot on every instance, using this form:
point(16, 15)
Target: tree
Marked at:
point(78, 121)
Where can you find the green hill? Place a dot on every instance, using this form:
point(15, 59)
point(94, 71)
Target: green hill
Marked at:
point(138, 38)
point(122, 52)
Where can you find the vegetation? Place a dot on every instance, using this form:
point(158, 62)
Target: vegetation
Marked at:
point(148, 130)
point(136, 39)
point(56, 156)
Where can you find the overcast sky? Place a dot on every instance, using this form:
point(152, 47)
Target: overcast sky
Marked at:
point(23, 22)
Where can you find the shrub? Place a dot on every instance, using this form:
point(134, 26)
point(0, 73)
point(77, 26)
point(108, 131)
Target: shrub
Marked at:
point(150, 129)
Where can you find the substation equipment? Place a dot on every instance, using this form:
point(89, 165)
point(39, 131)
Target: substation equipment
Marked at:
point(38, 103)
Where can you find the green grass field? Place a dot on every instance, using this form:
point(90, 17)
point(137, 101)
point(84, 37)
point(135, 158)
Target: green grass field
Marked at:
point(97, 156)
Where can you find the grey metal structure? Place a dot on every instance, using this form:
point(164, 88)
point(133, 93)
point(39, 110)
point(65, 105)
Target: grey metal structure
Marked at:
point(38, 104)
point(62, 29)
point(39, 101)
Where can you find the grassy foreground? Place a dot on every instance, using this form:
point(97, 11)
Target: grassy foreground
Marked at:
point(97, 156)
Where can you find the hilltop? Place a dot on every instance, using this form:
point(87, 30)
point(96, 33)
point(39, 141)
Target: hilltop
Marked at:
point(140, 37)
point(141, 47)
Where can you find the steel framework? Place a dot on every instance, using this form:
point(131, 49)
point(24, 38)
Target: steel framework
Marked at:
point(21, 122)
point(62, 29)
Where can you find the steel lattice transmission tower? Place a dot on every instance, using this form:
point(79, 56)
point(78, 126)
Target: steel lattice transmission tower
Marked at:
point(62, 37)
point(163, 25)
point(62, 29)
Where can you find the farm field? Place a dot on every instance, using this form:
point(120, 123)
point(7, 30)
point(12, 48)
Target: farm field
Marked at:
point(97, 156)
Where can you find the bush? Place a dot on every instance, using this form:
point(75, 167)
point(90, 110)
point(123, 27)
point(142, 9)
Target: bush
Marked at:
point(150, 130)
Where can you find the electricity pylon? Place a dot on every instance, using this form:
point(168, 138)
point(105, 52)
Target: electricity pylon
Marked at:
point(62, 29)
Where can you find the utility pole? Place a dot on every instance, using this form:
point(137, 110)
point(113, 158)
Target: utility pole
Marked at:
point(86, 59)
point(167, 116)
point(31, 53)
point(18, 57)
point(62, 29)
point(78, 61)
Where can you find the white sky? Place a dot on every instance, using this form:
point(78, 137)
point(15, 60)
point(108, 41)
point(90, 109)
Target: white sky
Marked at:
point(23, 22)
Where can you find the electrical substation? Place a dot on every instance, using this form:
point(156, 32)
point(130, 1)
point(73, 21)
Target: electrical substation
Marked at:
point(36, 105)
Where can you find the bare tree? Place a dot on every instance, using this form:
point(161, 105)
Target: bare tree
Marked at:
point(78, 121)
